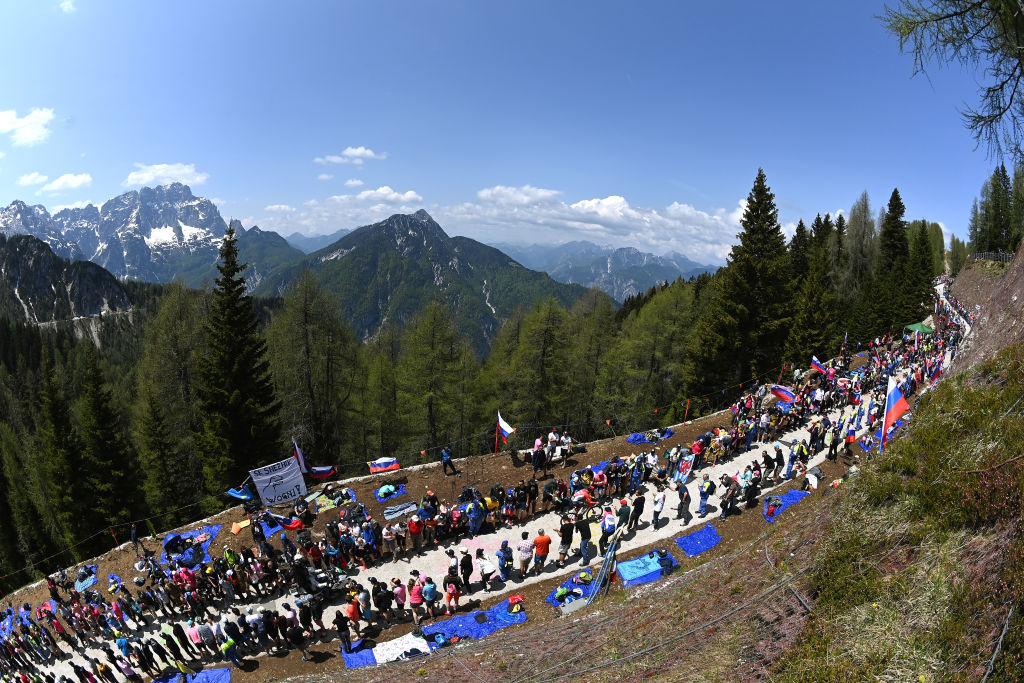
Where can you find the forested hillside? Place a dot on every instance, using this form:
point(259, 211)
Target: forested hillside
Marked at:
point(209, 384)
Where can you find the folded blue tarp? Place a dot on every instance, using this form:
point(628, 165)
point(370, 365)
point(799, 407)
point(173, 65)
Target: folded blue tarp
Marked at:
point(600, 466)
point(637, 438)
point(643, 569)
point(788, 498)
point(400, 491)
point(89, 581)
point(7, 625)
point(699, 541)
point(359, 656)
point(466, 626)
point(192, 559)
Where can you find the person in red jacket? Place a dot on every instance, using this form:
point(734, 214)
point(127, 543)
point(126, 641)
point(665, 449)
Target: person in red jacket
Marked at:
point(416, 533)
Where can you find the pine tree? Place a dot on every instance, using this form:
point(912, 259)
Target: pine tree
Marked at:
point(799, 252)
point(742, 334)
point(893, 244)
point(918, 279)
point(69, 498)
point(815, 323)
point(957, 255)
point(837, 255)
point(861, 251)
point(240, 428)
point(167, 481)
point(539, 365)
point(938, 241)
point(385, 431)
point(104, 458)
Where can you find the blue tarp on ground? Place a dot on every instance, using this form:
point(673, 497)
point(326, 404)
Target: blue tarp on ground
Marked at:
point(697, 542)
point(636, 438)
point(643, 569)
point(207, 676)
point(600, 466)
point(892, 430)
point(205, 546)
point(360, 656)
point(586, 589)
point(89, 582)
point(7, 625)
point(498, 617)
point(788, 498)
point(400, 491)
point(114, 580)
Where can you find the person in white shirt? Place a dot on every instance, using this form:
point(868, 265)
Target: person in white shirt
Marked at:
point(659, 504)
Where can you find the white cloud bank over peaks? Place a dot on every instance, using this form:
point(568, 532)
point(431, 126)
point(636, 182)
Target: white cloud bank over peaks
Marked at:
point(351, 155)
point(531, 214)
point(33, 178)
point(388, 196)
point(68, 181)
point(27, 130)
point(161, 174)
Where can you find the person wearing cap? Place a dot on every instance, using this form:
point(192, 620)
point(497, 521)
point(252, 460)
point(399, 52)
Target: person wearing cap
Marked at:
point(486, 569)
point(416, 533)
point(430, 527)
point(466, 568)
point(453, 560)
point(447, 462)
point(608, 526)
point(622, 514)
point(504, 556)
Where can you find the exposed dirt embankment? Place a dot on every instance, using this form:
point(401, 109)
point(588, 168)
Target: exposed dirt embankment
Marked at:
point(1001, 321)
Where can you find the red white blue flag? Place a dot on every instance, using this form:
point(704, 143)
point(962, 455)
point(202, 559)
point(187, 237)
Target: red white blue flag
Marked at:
point(504, 429)
point(783, 393)
point(383, 465)
point(895, 406)
point(816, 364)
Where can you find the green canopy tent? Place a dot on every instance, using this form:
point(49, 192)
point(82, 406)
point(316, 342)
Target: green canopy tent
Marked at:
point(919, 327)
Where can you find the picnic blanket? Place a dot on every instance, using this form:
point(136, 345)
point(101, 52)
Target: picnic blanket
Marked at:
point(89, 581)
point(788, 498)
point(210, 532)
point(360, 656)
point(114, 583)
point(643, 569)
point(697, 542)
point(399, 491)
point(586, 588)
point(466, 625)
point(322, 504)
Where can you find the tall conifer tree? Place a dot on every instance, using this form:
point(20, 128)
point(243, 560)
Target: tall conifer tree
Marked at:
point(240, 412)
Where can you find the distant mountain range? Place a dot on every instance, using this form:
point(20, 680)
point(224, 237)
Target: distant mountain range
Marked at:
point(387, 272)
point(621, 272)
point(310, 243)
point(37, 286)
point(153, 234)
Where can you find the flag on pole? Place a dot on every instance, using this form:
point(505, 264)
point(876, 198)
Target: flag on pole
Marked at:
point(783, 393)
point(895, 406)
point(290, 523)
point(504, 429)
point(297, 452)
point(383, 465)
point(917, 338)
point(816, 364)
point(937, 371)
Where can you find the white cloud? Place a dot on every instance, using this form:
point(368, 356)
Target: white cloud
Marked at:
point(519, 196)
point(1, 155)
point(161, 174)
point(325, 176)
point(68, 181)
point(351, 155)
point(386, 194)
point(29, 129)
point(32, 178)
point(67, 6)
point(73, 205)
point(353, 182)
point(279, 208)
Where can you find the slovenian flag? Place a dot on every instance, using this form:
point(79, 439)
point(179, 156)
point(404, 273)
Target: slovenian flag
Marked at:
point(383, 465)
point(917, 338)
point(895, 406)
point(816, 364)
point(297, 452)
point(504, 429)
point(783, 393)
point(289, 523)
point(937, 371)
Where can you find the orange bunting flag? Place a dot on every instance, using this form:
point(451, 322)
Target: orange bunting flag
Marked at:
point(608, 422)
point(423, 452)
point(655, 410)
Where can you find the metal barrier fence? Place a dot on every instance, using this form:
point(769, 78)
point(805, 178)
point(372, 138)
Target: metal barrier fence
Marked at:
point(992, 256)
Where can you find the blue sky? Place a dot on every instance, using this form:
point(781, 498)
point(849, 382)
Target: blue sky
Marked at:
point(639, 124)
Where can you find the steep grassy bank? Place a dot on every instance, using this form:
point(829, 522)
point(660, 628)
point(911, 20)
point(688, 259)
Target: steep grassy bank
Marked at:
point(922, 560)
